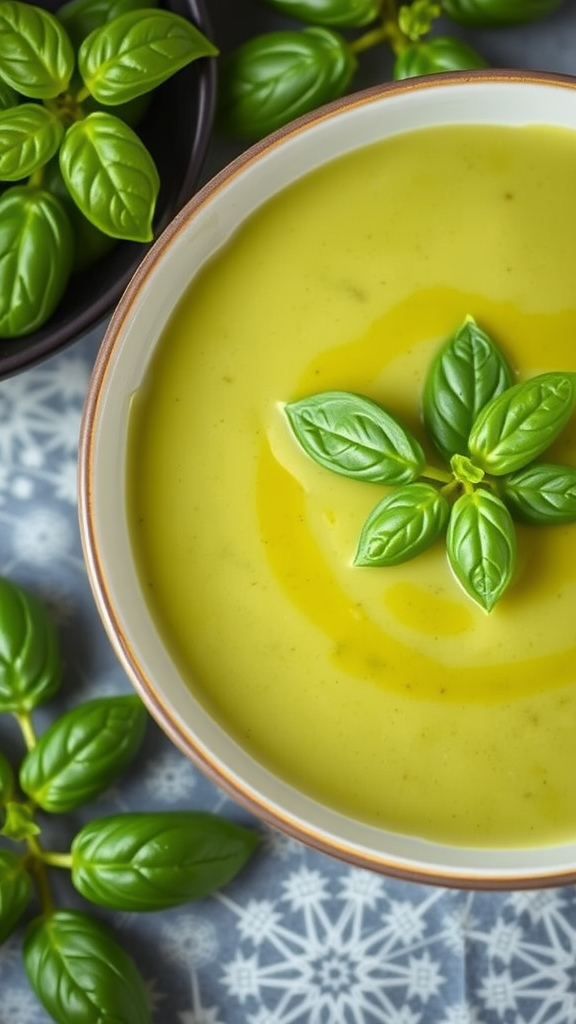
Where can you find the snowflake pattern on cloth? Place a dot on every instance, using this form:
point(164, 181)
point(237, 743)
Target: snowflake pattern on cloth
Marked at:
point(296, 938)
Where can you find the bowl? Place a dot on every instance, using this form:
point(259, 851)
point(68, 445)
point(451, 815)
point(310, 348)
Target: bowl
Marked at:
point(176, 128)
point(469, 792)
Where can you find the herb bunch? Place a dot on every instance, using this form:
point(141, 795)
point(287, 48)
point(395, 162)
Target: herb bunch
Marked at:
point(132, 861)
point(277, 76)
point(491, 432)
point(72, 85)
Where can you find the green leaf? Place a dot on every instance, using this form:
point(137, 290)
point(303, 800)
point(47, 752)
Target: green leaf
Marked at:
point(6, 780)
point(29, 137)
point(8, 97)
point(19, 822)
point(274, 78)
point(353, 436)
point(492, 13)
point(141, 862)
point(467, 372)
point(514, 428)
point(137, 52)
point(481, 545)
point(416, 19)
point(80, 973)
point(542, 493)
point(83, 752)
point(402, 525)
point(431, 56)
point(30, 667)
point(15, 890)
point(339, 13)
point(90, 244)
point(36, 55)
point(465, 471)
point(81, 17)
point(111, 176)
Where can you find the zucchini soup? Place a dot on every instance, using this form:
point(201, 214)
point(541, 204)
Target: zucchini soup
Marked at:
point(385, 693)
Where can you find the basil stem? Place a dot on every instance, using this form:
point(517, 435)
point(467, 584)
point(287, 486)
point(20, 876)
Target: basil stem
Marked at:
point(402, 525)
point(542, 493)
point(467, 372)
point(518, 425)
point(355, 437)
point(481, 546)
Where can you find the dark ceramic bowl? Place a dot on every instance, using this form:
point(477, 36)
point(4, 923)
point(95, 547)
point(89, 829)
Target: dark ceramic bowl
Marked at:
point(176, 130)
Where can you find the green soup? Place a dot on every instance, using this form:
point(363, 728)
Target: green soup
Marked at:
point(385, 693)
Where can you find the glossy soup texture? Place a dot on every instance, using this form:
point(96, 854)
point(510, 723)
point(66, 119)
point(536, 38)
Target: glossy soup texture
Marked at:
point(385, 693)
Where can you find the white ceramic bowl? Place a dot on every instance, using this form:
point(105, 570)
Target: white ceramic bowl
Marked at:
point(202, 228)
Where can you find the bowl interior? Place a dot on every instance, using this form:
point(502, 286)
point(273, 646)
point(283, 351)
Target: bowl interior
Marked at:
point(202, 228)
point(176, 129)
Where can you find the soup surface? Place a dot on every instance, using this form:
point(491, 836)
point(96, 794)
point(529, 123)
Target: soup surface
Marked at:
point(386, 693)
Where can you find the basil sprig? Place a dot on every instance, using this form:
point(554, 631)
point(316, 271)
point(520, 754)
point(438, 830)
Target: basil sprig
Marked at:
point(91, 54)
point(135, 862)
point(488, 428)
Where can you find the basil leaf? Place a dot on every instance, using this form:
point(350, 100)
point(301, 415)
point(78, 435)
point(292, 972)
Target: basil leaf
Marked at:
point(468, 371)
point(30, 668)
point(481, 545)
point(514, 428)
point(137, 52)
point(6, 780)
point(29, 136)
point(19, 821)
point(36, 55)
point(140, 862)
point(402, 525)
point(441, 53)
point(353, 436)
point(81, 17)
point(342, 13)
point(83, 752)
point(15, 890)
point(90, 244)
point(8, 98)
point(36, 247)
point(80, 973)
point(275, 77)
point(111, 176)
point(542, 493)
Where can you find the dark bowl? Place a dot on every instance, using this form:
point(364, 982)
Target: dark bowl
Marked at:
point(176, 129)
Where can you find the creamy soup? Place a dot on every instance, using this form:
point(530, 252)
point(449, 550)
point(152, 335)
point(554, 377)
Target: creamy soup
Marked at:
point(385, 693)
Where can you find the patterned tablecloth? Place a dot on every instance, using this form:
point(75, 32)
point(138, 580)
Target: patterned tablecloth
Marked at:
point(297, 938)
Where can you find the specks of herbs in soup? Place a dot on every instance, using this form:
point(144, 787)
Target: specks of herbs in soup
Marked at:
point(488, 429)
point(390, 695)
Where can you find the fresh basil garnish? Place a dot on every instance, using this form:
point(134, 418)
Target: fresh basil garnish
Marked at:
point(488, 429)
point(402, 525)
point(467, 372)
point(518, 425)
point(481, 546)
point(355, 437)
point(542, 493)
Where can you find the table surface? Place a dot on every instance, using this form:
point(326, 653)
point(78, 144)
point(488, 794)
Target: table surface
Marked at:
point(297, 938)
